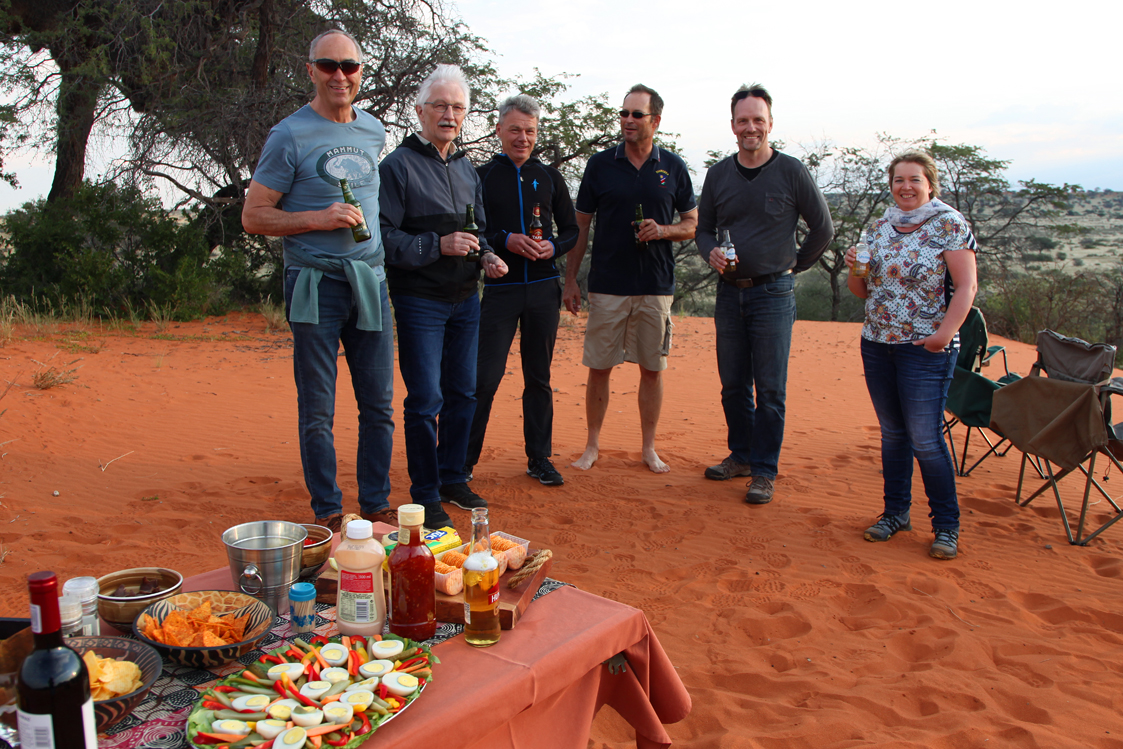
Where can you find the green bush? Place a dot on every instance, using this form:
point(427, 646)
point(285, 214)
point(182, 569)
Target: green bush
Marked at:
point(813, 299)
point(112, 246)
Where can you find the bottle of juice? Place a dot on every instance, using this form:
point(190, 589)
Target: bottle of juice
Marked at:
point(481, 586)
point(413, 599)
point(360, 607)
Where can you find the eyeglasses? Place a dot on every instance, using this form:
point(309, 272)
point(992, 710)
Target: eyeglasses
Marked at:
point(441, 107)
point(328, 66)
point(635, 114)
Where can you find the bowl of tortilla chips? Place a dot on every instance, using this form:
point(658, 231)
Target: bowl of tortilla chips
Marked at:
point(123, 595)
point(204, 628)
point(121, 673)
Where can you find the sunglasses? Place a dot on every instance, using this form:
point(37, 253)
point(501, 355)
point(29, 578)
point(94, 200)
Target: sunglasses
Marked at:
point(636, 114)
point(328, 66)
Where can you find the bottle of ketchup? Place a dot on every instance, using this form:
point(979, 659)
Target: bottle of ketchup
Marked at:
point(413, 593)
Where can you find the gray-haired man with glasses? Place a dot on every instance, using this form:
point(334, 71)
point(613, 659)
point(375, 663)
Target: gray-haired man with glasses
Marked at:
point(335, 286)
point(426, 186)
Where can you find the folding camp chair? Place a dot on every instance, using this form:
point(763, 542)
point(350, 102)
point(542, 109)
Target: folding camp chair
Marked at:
point(1065, 419)
point(970, 393)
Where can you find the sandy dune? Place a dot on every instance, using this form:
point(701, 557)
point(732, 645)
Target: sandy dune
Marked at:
point(788, 628)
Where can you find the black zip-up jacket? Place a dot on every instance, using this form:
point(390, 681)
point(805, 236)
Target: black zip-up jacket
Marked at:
point(509, 193)
point(422, 198)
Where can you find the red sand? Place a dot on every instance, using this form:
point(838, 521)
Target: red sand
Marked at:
point(789, 630)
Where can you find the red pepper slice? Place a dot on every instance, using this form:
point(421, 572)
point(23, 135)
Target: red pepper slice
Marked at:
point(341, 742)
point(297, 695)
point(279, 688)
point(271, 659)
point(320, 640)
point(383, 693)
point(352, 663)
point(212, 705)
point(357, 642)
point(366, 724)
point(292, 652)
point(413, 662)
point(226, 689)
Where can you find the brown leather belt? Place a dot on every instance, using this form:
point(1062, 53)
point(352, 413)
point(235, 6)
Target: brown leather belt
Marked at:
point(746, 283)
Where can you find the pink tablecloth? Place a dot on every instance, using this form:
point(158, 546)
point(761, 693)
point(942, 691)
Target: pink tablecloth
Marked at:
point(541, 685)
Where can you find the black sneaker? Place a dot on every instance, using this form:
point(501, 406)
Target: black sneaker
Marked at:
point(887, 526)
point(463, 497)
point(946, 545)
point(543, 470)
point(436, 517)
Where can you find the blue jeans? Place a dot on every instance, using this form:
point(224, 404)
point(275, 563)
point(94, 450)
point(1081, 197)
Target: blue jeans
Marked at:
point(909, 386)
point(754, 336)
point(370, 358)
point(437, 358)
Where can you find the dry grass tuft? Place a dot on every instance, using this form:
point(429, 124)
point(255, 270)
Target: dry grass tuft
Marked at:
point(274, 315)
point(47, 377)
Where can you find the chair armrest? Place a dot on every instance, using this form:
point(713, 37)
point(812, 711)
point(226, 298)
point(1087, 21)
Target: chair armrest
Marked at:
point(991, 351)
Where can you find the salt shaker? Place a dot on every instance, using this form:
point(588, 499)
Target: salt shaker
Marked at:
point(302, 607)
point(86, 589)
point(70, 612)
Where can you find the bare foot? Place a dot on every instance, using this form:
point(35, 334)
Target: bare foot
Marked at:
point(585, 462)
point(653, 462)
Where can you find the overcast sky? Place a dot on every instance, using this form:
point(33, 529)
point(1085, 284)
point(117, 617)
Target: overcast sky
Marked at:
point(1038, 89)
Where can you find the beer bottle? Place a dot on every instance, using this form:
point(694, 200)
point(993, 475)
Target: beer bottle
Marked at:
point(861, 268)
point(470, 227)
point(359, 231)
point(536, 224)
point(730, 254)
point(640, 245)
point(481, 586)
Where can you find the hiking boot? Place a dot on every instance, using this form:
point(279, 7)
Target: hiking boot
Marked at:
point(334, 522)
point(760, 491)
point(387, 516)
point(727, 469)
point(461, 496)
point(946, 545)
point(543, 470)
point(886, 526)
point(436, 517)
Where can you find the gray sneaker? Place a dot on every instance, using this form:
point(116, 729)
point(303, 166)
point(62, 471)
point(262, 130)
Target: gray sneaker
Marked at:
point(946, 545)
point(887, 526)
point(727, 469)
point(760, 491)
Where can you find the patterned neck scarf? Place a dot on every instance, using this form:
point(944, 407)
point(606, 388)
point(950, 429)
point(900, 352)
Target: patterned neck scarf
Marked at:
point(899, 218)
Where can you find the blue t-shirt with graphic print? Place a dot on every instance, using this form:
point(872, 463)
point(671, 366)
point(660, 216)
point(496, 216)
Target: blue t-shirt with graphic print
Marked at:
point(305, 156)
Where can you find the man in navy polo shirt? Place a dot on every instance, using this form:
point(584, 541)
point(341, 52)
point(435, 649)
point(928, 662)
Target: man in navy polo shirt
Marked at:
point(632, 278)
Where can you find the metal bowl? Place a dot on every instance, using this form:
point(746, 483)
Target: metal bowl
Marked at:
point(316, 551)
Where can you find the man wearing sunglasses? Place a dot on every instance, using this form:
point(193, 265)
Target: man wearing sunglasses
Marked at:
point(632, 277)
point(335, 286)
point(759, 195)
point(426, 185)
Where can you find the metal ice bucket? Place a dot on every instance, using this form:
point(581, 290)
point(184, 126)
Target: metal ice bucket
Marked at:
point(265, 559)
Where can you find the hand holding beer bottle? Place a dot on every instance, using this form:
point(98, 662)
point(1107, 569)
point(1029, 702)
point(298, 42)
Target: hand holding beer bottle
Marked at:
point(359, 231)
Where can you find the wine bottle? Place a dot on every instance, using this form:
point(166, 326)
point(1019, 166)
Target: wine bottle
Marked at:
point(55, 707)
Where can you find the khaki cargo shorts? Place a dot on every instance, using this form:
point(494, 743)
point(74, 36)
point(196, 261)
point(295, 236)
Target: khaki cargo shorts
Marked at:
point(628, 328)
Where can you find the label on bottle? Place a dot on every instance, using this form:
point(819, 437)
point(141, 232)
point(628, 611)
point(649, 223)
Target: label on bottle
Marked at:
point(356, 597)
point(493, 594)
point(38, 731)
point(467, 613)
point(36, 620)
point(403, 536)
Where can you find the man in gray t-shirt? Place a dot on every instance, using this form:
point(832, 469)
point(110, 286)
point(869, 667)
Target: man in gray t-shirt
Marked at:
point(758, 195)
point(335, 282)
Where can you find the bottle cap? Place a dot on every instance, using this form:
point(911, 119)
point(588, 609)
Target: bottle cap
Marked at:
point(86, 588)
point(303, 591)
point(70, 607)
point(411, 515)
point(359, 529)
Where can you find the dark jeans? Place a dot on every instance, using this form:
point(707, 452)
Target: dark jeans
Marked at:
point(370, 358)
point(437, 358)
point(909, 386)
point(754, 337)
point(534, 310)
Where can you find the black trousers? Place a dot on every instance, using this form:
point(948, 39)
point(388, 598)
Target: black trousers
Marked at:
point(534, 309)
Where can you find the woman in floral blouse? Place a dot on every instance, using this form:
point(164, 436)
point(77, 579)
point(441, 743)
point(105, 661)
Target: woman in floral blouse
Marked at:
point(919, 289)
